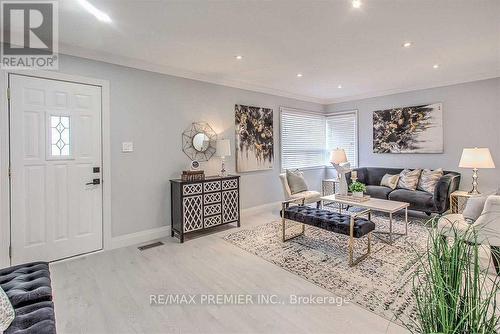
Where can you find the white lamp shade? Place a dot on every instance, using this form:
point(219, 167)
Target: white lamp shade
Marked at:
point(476, 158)
point(338, 156)
point(223, 148)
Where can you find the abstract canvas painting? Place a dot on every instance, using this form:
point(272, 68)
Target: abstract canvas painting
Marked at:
point(417, 129)
point(254, 138)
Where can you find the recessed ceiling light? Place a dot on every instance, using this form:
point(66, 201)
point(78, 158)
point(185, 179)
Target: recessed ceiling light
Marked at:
point(435, 66)
point(356, 3)
point(239, 57)
point(299, 75)
point(407, 44)
point(339, 86)
point(100, 15)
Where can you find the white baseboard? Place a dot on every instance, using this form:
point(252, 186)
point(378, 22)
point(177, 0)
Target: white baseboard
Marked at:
point(139, 237)
point(164, 231)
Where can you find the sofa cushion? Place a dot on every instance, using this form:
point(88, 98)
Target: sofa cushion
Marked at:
point(417, 199)
point(27, 283)
point(390, 181)
point(310, 196)
point(408, 179)
point(374, 175)
point(329, 220)
point(429, 179)
point(296, 181)
point(450, 224)
point(378, 191)
point(474, 207)
point(35, 318)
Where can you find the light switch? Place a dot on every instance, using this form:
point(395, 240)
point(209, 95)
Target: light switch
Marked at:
point(127, 147)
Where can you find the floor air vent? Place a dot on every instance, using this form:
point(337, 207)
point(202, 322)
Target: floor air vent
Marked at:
point(154, 244)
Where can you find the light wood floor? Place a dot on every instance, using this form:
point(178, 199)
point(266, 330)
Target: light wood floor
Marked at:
point(109, 292)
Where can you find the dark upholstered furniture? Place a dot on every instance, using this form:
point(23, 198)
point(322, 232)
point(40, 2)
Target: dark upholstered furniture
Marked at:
point(350, 225)
point(30, 293)
point(438, 202)
point(329, 220)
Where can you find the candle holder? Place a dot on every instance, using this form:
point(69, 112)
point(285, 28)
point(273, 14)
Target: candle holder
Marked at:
point(354, 176)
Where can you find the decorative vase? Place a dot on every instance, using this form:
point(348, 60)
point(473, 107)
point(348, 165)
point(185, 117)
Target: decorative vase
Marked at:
point(357, 193)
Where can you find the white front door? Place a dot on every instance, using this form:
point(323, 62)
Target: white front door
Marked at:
point(55, 152)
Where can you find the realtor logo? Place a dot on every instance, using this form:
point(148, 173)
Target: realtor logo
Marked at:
point(30, 35)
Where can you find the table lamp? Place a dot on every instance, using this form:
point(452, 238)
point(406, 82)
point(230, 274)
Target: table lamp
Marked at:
point(476, 158)
point(338, 160)
point(223, 150)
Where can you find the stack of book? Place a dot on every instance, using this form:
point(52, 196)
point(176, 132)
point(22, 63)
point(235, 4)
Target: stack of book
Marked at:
point(193, 175)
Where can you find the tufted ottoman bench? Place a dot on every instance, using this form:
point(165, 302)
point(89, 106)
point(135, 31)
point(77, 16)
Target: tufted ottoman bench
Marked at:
point(350, 225)
point(30, 293)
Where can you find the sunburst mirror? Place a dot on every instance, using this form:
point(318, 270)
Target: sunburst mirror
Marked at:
point(198, 141)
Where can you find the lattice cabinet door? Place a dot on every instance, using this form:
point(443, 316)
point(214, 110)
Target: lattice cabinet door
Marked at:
point(229, 184)
point(211, 186)
point(192, 208)
point(213, 221)
point(230, 206)
point(192, 189)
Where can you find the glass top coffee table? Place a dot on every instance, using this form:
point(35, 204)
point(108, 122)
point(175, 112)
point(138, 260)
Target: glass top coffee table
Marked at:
point(375, 204)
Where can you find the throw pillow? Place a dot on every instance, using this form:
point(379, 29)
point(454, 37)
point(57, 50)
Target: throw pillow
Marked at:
point(6, 311)
point(296, 181)
point(390, 181)
point(408, 179)
point(429, 179)
point(474, 208)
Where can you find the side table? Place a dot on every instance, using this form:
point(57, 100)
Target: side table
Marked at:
point(329, 186)
point(458, 199)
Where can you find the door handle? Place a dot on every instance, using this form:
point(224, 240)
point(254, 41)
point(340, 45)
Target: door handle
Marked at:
point(94, 182)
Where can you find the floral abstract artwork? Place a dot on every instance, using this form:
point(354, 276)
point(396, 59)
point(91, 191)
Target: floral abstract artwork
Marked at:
point(254, 138)
point(417, 129)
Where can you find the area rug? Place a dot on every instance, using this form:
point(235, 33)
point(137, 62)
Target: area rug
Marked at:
point(382, 283)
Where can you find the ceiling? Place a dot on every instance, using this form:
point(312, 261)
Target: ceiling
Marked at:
point(329, 42)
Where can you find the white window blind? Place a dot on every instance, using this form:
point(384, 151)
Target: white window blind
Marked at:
point(341, 132)
point(303, 139)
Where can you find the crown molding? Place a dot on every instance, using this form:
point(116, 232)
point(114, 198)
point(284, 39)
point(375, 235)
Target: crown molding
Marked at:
point(76, 51)
point(436, 84)
point(168, 70)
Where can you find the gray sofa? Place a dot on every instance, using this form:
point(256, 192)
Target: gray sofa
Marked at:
point(438, 202)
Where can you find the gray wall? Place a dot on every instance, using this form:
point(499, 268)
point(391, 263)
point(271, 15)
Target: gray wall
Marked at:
point(152, 110)
point(471, 113)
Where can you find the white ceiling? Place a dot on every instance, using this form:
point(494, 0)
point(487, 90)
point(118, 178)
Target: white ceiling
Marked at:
point(330, 42)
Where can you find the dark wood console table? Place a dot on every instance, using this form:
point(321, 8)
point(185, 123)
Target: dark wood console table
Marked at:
point(199, 205)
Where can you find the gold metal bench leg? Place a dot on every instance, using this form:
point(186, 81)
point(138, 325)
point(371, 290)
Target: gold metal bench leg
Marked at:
point(352, 261)
point(283, 228)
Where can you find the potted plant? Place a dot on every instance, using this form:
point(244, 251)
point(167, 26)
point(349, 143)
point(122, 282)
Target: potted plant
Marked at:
point(453, 293)
point(357, 188)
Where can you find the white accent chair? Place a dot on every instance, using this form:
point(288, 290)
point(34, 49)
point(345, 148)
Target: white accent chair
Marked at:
point(310, 196)
point(487, 227)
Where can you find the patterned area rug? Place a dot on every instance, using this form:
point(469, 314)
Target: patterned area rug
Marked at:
point(381, 283)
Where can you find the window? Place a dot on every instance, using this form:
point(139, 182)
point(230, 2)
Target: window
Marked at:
point(307, 138)
point(341, 132)
point(302, 139)
point(60, 136)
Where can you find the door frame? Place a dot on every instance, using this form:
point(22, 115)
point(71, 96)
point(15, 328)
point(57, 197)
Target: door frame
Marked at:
point(5, 231)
